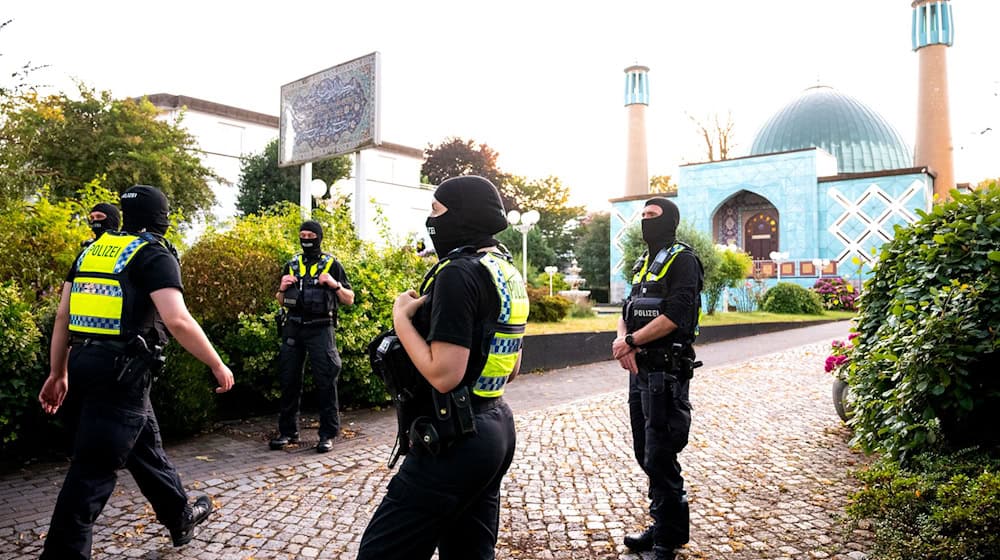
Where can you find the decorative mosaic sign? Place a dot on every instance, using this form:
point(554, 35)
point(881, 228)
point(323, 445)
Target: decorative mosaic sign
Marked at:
point(330, 113)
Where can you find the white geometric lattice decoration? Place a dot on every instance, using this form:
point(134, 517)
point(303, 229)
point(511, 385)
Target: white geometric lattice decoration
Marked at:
point(867, 223)
point(619, 240)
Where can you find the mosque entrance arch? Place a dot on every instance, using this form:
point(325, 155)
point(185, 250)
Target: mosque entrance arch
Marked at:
point(748, 221)
point(760, 236)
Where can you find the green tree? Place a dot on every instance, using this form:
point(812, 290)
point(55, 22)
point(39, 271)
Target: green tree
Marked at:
point(662, 184)
point(64, 143)
point(540, 254)
point(263, 184)
point(593, 250)
point(634, 247)
point(454, 157)
point(734, 266)
point(557, 219)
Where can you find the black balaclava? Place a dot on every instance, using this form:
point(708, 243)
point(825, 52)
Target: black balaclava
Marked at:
point(311, 248)
point(475, 213)
point(110, 223)
point(146, 208)
point(661, 231)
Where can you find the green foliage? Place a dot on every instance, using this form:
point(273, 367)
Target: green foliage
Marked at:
point(183, 394)
point(634, 247)
point(593, 250)
point(41, 240)
point(263, 184)
point(65, 143)
point(734, 267)
point(927, 346)
point(786, 297)
point(541, 280)
point(545, 308)
point(557, 220)
point(20, 357)
point(935, 508)
point(540, 254)
point(582, 310)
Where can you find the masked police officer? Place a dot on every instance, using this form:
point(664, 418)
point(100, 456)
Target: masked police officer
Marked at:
point(313, 286)
point(658, 325)
point(103, 217)
point(463, 334)
point(120, 298)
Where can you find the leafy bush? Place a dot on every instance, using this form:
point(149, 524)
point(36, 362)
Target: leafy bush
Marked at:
point(541, 280)
point(582, 309)
point(545, 308)
point(935, 508)
point(786, 297)
point(925, 358)
point(749, 296)
point(734, 266)
point(20, 360)
point(836, 293)
point(633, 247)
point(183, 394)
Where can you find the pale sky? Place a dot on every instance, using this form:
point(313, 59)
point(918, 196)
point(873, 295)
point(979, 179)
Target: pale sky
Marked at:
point(540, 81)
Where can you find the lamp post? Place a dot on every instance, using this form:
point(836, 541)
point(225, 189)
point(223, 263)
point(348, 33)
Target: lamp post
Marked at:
point(778, 258)
point(551, 270)
point(820, 264)
point(523, 223)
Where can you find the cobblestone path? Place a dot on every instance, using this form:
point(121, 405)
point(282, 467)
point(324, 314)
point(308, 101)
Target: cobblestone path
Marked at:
point(767, 470)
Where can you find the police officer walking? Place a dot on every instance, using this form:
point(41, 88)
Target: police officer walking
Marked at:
point(103, 217)
point(463, 335)
point(313, 286)
point(658, 325)
point(120, 298)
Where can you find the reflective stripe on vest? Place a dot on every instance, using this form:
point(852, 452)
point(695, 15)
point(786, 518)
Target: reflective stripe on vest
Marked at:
point(507, 332)
point(97, 298)
point(323, 266)
point(671, 255)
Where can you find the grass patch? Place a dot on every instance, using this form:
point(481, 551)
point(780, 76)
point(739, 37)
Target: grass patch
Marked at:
point(603, 323)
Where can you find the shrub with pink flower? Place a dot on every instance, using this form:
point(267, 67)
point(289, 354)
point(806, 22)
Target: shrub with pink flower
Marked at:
point(840, 354)
point(836, 293)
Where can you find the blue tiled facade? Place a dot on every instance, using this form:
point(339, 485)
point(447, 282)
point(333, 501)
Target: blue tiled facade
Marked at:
point(820, 215)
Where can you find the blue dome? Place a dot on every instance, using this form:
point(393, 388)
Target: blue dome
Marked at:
point(822, 117)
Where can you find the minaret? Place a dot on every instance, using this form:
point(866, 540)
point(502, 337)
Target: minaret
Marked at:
point(932, 34)
point(636, 100)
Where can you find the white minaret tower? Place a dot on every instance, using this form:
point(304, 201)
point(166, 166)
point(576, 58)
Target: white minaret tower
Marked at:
point(636, 100)
point(931, 35)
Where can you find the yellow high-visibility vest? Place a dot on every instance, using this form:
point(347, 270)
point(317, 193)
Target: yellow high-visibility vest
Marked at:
point(100, 299)
point(506, 333)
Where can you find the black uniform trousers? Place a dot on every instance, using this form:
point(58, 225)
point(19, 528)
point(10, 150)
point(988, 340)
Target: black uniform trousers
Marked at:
point(660, 414)
point(319, 343)
point(449, 501)
point(115, 428)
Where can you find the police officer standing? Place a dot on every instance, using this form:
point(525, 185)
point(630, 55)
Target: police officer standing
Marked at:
point(103, 217)
point(463, 335)
point(313, 286)
point(658, 325)
point(120, 298)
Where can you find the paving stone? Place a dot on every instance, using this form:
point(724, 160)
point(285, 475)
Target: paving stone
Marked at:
point(767, 470)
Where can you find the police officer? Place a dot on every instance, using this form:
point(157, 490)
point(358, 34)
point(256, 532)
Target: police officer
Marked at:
point(120, 298)
point(103, 217)
point(313, 286)
point(463, 334)
point(658, 325)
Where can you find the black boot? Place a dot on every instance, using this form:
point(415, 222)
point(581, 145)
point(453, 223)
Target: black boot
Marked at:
point(641, 542)
point(194, 515)
point(282, 440)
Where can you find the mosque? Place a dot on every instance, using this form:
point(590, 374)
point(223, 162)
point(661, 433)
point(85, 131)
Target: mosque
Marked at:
point(825, 181)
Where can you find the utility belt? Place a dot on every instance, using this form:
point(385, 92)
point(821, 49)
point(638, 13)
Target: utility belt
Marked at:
point(673, 359)
point(425, 419)
point(135, 356)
